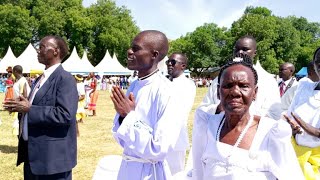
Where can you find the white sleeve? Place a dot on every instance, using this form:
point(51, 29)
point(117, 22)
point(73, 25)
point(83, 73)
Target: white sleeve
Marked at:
point(271, 101)
point(210, 102)
point(199, 142)
point(147, 142)
point(287, 98)
point(282, 152)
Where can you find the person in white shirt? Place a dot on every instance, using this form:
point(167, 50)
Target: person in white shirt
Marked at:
point(146, 124)
point(304, 117)
point(133, 77)
point(20, 88)
point(287, 80)
point(287, 98)
point(185, 91)
point(237, 143)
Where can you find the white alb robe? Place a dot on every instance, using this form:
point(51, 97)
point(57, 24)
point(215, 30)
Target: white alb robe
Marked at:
point(306, 105)
point(150, 131)
point(185, 92)
point(270, 156)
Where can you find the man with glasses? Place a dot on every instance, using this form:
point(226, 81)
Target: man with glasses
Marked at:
point(47, 136)
point(185, 91)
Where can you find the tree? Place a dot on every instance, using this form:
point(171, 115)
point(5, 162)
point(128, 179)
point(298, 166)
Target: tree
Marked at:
point(277, 39)
point(95, 29)
point(203, 47)
point(16, 28)
point(113, 29)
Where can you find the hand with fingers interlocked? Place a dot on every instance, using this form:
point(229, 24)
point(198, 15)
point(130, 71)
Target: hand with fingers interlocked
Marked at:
point(299, 124)
point(21, 105)
point(121, 102)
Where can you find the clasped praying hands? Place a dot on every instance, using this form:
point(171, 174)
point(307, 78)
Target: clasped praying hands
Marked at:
point(121, 102)
point(298, 123)
point(21, 105)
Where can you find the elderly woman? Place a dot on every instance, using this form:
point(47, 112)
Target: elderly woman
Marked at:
point(236, 144)
point(304, 117)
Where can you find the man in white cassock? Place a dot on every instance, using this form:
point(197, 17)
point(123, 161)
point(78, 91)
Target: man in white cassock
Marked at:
point(144, 124)
point(268, 102)
point(185, 91)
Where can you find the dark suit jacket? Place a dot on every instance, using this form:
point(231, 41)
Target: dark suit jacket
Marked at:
point(52, 139)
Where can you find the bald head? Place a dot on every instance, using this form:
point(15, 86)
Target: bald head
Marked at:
point(182, 57)
point(61, 45)
point(157, 40)
point(286, 71)
point(290, 66)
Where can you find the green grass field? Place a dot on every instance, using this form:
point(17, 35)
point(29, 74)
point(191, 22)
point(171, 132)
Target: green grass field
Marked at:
point(95, 140)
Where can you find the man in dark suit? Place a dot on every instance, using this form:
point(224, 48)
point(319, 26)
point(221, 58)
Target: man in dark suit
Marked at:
point(47, 139)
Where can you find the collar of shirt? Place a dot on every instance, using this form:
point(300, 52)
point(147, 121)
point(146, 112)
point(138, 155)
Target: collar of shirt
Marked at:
point(178, 78)
point(48, 72)
point(287, 81)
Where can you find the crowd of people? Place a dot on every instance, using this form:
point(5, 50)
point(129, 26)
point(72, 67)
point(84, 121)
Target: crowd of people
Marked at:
point(248, 126)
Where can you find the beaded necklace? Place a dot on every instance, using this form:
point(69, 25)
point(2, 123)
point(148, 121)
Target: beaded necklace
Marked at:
point(243, 132)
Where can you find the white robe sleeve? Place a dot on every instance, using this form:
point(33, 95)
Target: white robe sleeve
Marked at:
point(147, 142)
point(199, 142)
point(282, 152)
point(271, 102)
point(210, 102)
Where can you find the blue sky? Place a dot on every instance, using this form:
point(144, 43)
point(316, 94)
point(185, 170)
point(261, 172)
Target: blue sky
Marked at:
point(177, 17)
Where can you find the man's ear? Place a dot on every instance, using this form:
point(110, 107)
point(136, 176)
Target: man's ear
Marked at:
point(56, 51)
point(155, 54)
point(218, 92)
point(255, 92)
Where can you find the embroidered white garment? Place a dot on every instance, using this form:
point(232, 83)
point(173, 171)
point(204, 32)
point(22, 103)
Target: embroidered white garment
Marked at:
point(270, 156)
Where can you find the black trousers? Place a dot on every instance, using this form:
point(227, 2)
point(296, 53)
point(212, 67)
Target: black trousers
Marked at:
point(28, 175)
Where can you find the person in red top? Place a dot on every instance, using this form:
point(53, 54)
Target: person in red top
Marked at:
point(9, 84)
point(93, 94)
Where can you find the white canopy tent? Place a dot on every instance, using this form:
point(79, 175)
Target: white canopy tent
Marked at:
point(72, 61)
point(29, 61)
point(8, 60)
point(259, 68)
point(75, 65)
point(86, 66)
point(111, 66)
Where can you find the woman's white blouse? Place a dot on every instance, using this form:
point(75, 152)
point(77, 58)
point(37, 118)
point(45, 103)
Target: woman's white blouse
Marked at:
point(270, 156)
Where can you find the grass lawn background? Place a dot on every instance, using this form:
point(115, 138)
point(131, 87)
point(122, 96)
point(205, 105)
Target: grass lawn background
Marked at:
point(95, 139)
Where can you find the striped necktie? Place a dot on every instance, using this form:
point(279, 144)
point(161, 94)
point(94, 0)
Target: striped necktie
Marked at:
point(23, 125)
point(282, 88)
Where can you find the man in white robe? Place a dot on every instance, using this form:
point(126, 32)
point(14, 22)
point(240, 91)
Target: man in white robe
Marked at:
point(144, 124)
point(268, 101)
point(185, 91)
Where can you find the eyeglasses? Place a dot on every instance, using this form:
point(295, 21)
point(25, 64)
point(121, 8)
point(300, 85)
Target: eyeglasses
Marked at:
point(173, 62)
